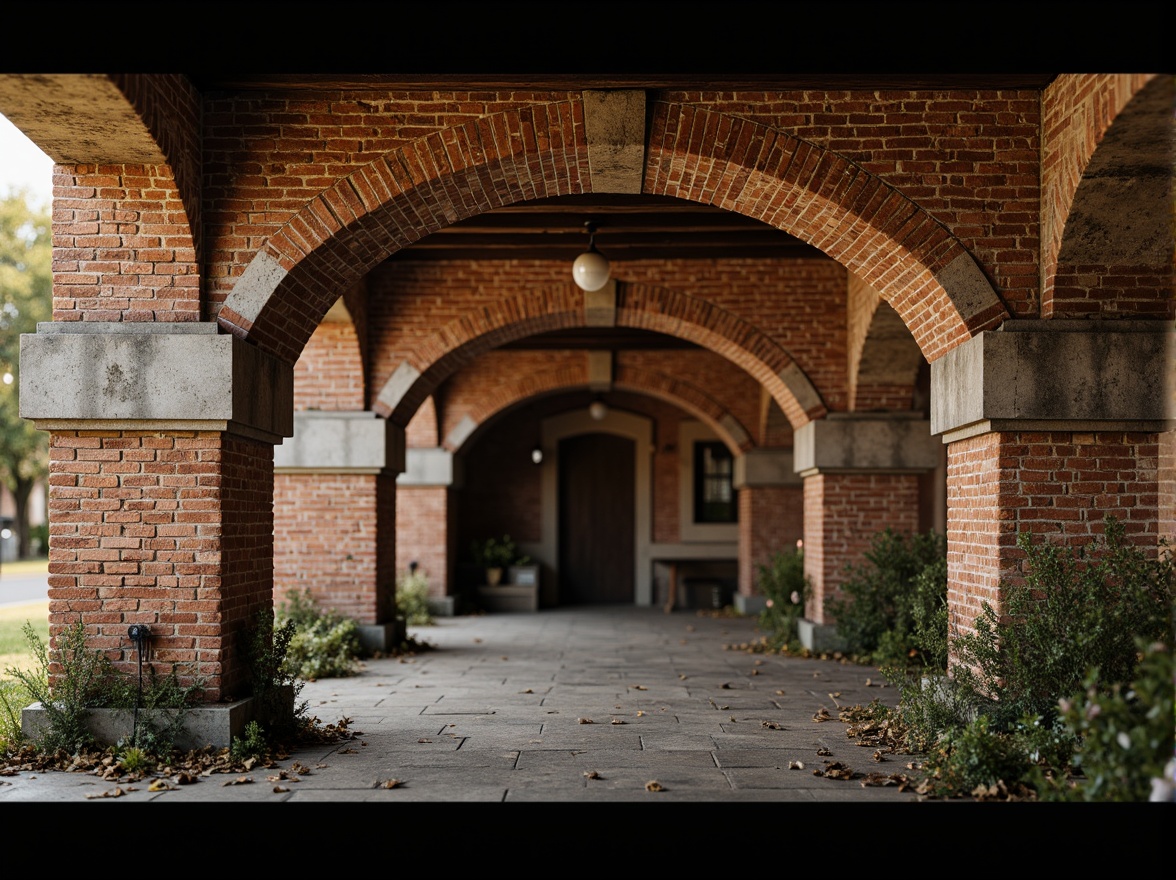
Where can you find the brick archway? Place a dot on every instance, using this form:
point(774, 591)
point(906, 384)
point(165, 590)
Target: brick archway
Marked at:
point(662, 386)
point(638, 306)
point(540, 151)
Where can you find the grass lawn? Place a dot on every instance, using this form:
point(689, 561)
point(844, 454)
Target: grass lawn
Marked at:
point(14, 647)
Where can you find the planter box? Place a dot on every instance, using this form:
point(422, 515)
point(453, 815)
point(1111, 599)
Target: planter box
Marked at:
point(523, 575)
point(213, 724)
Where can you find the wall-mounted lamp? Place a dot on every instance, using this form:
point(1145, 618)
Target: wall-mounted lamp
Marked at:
point(591, 269)
point(537, 454)
point(598, 410)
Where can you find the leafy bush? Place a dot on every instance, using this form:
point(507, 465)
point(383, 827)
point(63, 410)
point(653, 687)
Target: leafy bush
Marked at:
point(891, 606)
point(324, 643)
point(782, 581)
point(412, 598)
point(1077, 676)
point(1126, 731)
point(1072, 612)
point(497, 553)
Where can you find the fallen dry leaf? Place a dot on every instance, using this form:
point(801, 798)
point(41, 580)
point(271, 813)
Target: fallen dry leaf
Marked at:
point(616, 721)
point(835, 770)
point(878, 756)
point(640, 712)
point(654, 785)
point(638, 687)
point(240, 780)
point(585, 721)
point(823, 715)
point(823, 751)
point(796, 765)
point(779, 693)
point(772, 725)
point(423, 740)
point(528, 691)
point(391, 783)
point(161, 785)
point(111, 793)
point(592, 774)
point(280, 789)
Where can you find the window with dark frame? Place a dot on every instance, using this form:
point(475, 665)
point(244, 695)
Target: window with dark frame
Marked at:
point(714, 491)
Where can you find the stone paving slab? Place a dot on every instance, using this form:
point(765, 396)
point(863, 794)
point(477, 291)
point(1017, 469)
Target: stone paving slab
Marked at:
point(491, 713)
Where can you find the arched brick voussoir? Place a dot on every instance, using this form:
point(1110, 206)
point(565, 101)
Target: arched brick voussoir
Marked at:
point(686, 317)
point(825, 199)
point(456, 344)
point(687, 397)
point(430, 183)
point(574, 376)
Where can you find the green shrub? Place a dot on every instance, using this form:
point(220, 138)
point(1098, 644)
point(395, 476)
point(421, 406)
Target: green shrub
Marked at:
point(786, 590)
point(1077, 676)
point(271, 673)
point(324, 644)
point(412, 598)
point(1126, 732)
point(1074, 610)
point(88, 680)
point(891, 606)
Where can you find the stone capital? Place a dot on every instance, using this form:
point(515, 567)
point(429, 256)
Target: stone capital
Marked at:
point(341, 442)
point(152, 376)
point(865, 443)
point(1061, 375)
point(765, 467)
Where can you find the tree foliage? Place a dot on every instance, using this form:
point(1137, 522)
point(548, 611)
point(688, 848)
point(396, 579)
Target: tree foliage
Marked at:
point(26, 298)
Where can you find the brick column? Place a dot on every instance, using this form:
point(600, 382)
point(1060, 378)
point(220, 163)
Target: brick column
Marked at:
point(335, 518)
point(861, 475)
point(426, 524)
point(1050, 426)
point(161, 489)
point(771, 516)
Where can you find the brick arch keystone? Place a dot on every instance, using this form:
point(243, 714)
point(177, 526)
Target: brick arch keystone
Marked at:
point(869, 227)
point(648, 307)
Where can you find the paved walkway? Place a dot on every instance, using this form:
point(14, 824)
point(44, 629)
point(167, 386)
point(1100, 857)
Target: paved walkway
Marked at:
point(589, 704)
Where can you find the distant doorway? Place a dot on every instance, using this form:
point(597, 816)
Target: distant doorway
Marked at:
point(596, 519)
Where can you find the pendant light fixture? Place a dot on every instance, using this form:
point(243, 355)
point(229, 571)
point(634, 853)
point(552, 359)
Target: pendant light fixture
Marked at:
point(591, 270)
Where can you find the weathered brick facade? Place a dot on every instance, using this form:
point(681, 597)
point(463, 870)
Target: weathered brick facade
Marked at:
point(949, 220)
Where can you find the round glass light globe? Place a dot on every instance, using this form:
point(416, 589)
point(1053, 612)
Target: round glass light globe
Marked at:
point(590, 271)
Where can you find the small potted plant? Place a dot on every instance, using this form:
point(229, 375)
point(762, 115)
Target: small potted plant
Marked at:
point(494, 555)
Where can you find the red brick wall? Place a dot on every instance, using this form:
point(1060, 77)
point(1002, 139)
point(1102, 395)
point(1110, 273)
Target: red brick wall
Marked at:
point(969, 159)
point(329, 374)
point(842, 513)
point(1058, 486)
point(122, 249)
point(180, 525)
point(425, 533)
point(326, 528)
point(771, 520)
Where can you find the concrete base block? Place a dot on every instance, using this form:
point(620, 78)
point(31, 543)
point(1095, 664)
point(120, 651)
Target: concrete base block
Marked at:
point(382, 637)
point(819, 637)
point(443, 606)
point(211, 725)
point(750, 604)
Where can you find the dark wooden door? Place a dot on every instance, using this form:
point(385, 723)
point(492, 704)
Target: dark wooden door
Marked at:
point(596, 519)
